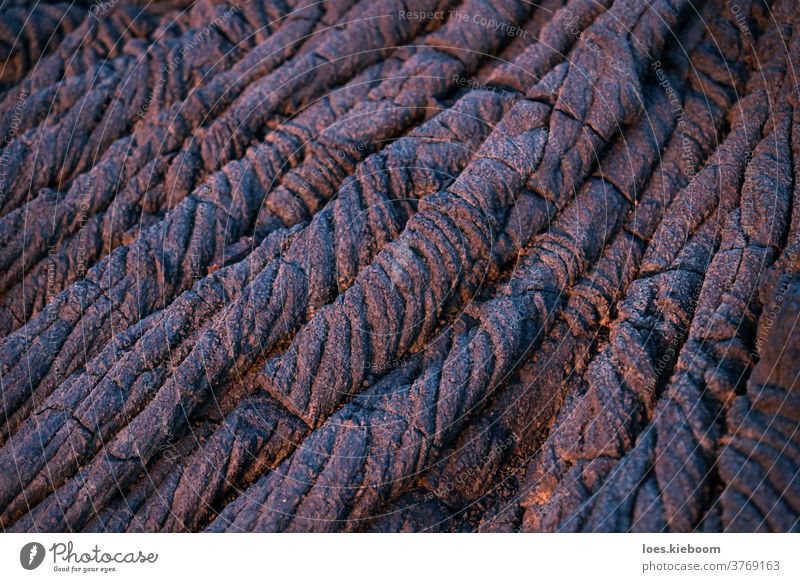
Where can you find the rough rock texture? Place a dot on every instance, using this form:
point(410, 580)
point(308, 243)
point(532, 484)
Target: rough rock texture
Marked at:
point(400, 265)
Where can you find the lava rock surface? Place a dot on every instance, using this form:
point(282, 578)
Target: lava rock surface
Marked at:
point(400, 265)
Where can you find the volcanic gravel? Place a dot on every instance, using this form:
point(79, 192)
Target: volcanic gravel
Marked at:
point(400, 265)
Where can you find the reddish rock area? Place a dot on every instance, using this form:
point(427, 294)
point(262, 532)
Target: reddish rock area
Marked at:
point(400, 265)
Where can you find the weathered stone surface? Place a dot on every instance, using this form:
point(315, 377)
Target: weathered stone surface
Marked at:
point(400, 265)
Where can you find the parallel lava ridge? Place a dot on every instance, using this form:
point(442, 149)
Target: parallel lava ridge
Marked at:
point(400, 265)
